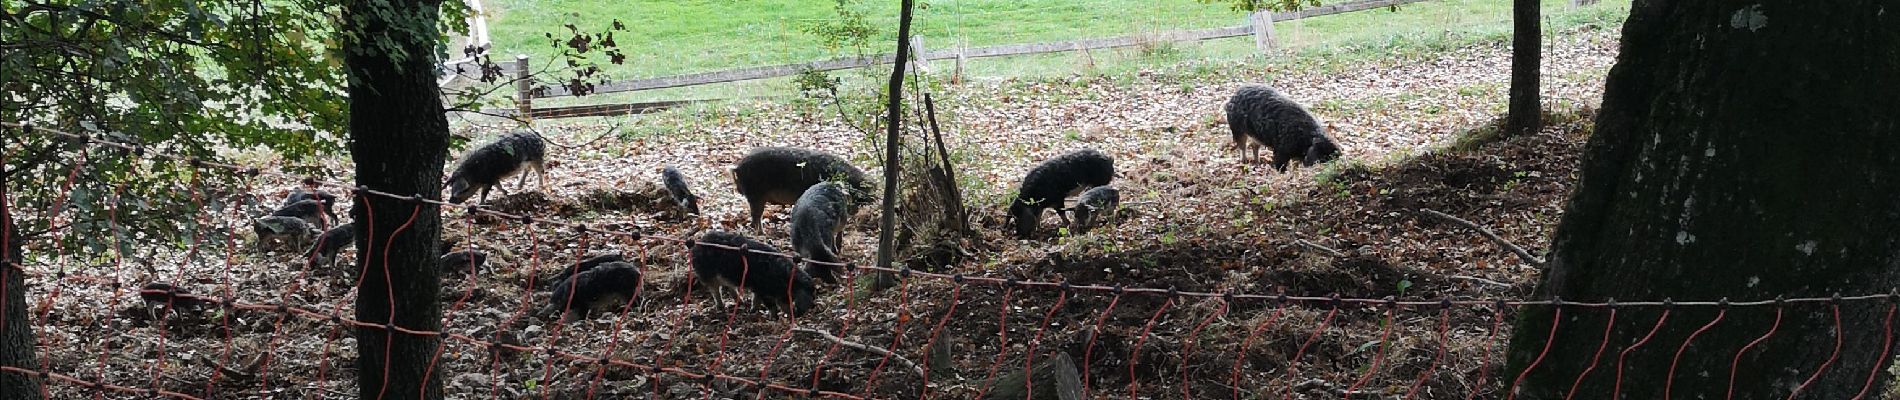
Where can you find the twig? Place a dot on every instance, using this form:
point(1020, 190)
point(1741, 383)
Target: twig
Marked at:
point(94, 16)
point(227, 370)
point(865, 347)
point(1317, 247)
point(34, 235)
point(1521, 253)
point(1329, 387)
point(949, 170)
point(1480, 280)
point(838, 102)
point(39, 155)
point(498, 86)
point(610, 133)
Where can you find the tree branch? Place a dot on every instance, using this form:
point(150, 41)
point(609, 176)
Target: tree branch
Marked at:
point(141, 27)
point(475, 96)
point(35, 235)
point(1479, 280)
point(887, 221)
point(1506, 244)
point(32, 160)
point(1317, 247)
point(865, 347)
point(839, 103)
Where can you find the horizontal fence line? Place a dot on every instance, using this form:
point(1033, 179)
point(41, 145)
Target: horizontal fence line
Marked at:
point(173, 300)
point(1322, 300)
point(615, 109)
point(141, 151)
point(772, 71)
point(1339, 9)
point(340, 320)
point(337, 319)
point(607, 109)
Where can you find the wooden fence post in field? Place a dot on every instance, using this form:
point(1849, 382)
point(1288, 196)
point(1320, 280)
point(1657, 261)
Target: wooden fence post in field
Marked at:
point(1262, 23)
point(524, 86)
point(956, 77)
point(917, 55)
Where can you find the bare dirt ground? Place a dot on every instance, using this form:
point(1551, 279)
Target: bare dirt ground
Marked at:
point(1196, 220)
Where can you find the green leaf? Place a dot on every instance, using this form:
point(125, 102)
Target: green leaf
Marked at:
point(186, 77)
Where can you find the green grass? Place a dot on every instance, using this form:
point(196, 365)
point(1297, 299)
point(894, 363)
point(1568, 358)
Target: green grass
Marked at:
point(1332, 42)
point(666, 37)
point(697, 36)
point(671, 37)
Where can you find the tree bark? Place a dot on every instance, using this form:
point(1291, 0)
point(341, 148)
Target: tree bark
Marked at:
point(1527, 44)
point(398, 139)
point(1743, 151)
point(16, 329)
point(1055, 379)
point(887, 223)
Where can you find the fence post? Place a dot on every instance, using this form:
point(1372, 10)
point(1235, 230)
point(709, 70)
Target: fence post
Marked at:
point(524, 87)
point(917, 56)
point(956, 77)
point(1262, 22)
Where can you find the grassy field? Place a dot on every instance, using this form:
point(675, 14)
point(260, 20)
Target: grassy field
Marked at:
point(726, 36)
point(669, 37)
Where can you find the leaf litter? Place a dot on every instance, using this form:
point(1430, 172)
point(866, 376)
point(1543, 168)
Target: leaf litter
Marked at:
point(1195, 219)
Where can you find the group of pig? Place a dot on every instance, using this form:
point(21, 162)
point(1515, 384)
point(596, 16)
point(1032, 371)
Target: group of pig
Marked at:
point(823, 190)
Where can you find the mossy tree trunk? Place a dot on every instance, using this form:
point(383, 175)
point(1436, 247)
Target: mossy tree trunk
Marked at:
point(1743, 151)
point(398, 139)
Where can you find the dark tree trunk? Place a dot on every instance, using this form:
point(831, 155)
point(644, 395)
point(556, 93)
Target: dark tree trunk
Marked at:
point(1527, 45)
point(16, 330)
point(398, 138)
point(1743, 151)
point(1055, 378)
point(894, 125)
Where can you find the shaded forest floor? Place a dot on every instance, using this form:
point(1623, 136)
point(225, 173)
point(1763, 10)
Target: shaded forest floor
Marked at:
point(1195, 220)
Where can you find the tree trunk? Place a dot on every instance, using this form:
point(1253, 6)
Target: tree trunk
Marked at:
point(1743, 151)
point(1527, 44)
point(16, 329)
point(1055, 378)
point(398, 138)
point(887, 223)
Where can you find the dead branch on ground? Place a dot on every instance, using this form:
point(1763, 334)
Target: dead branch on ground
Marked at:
point(1488, 234)
point(864, 347)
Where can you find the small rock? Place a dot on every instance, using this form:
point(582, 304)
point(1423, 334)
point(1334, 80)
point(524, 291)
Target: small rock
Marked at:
point(471, 379)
